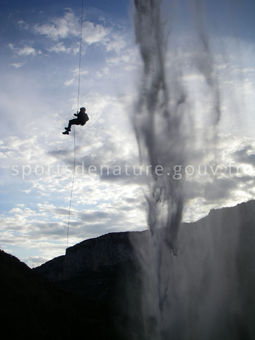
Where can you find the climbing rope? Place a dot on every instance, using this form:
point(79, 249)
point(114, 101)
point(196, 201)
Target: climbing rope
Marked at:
point(71, 193)
point(78, 104)
point(80, 54)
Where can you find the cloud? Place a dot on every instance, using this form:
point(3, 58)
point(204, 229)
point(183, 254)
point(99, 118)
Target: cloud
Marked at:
point(76, 72)
point(24, 51)
point(27, 50)
point(35, 261)
point(43, 227)
point(65, 31)
point(17, 65)
point(245, 155)
point(82, 72)
point(60, 48)
point(94, 33)
point(69, 82)
point(68, 26)
point(60, 28)
point(223, 179)
point(117, 42)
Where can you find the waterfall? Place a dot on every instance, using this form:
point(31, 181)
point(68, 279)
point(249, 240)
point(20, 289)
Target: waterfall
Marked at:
point(167, 127)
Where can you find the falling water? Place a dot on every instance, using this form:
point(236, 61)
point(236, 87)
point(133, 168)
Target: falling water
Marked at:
point(159, 123)
point(182, 286)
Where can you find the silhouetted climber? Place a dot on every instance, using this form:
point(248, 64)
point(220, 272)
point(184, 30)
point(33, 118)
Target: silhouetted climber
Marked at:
point(81, 119)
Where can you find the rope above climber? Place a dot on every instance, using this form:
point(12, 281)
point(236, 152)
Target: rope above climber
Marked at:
point(81, 119)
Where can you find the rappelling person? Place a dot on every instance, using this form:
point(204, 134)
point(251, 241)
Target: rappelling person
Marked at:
point(81, 119)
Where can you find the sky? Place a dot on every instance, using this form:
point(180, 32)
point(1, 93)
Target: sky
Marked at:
point(39, 64)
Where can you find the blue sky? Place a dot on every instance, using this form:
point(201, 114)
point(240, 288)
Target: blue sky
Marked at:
point(38, 94)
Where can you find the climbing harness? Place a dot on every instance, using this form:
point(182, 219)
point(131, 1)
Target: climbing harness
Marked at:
point(78, 103)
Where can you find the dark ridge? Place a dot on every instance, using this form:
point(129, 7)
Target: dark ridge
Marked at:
point(106, 271)
point(96, 287)
point(33, 307)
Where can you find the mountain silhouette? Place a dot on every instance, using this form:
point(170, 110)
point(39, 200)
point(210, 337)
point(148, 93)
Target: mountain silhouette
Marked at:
point(97, 286)
point(33, 307)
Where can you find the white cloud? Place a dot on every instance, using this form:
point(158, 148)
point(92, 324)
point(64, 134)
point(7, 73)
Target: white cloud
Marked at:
point(116, 42)
point(82, 71)
point(68, 26)
point(94, 33)
point(102, 73)
point(111, 209)
point(24, 51)
point(69, 82)
point(27, 50)
point(60, 28)
point(17, 65)
point(60, 48)
point(128, 59)
point(76, 72)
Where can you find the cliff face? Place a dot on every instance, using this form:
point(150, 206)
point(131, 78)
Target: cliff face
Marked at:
point(223, 230)
point(211, 279)
point(103, 271)
point(94, 255)
point(32, 307)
